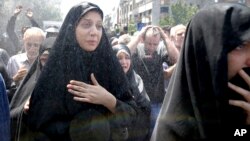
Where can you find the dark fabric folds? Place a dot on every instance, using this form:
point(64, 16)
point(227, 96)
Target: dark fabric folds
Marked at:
point(52, 108)
point(196, 104)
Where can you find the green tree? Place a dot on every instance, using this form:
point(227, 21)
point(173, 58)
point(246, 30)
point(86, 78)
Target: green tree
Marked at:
point(131, 27)
point(181, 14)
point(43, 10)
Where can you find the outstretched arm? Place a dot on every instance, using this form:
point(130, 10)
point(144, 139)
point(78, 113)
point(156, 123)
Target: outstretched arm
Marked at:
point(29, 14)
point(10, 29)
point(173, 52)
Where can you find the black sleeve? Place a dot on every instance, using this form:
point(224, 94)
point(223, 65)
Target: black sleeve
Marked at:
point(34, 23)
point(12, 34)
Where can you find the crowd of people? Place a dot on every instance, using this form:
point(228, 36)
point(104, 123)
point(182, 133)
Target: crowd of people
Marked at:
point(186, 82)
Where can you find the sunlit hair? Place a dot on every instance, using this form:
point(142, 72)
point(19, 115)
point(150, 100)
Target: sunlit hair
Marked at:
point(176, 29)
point(124, 39)
point(34, 31)
point(153, 31)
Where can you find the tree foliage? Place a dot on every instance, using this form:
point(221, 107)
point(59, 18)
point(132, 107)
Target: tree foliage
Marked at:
point(43, 10)
point(131, 27)
point(181, 14)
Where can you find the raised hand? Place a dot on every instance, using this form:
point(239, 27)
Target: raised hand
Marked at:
point(245, 93)
point(18, 10)
point(29, 13)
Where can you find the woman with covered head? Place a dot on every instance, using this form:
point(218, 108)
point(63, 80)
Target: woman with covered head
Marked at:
point(139, 131)
point(82, 92)
point(196, 106)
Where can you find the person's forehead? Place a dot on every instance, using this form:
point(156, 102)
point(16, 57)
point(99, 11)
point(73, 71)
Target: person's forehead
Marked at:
point(153, 37)
point(33, 39)
point(180, 31)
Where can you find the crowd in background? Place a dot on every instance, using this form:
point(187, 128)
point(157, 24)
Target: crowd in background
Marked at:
point(179, 82)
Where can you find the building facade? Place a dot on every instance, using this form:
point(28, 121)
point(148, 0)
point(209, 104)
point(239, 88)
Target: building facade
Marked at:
point(145, 12)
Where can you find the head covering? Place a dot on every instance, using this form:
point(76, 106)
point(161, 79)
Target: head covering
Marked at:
point(51, 106)
point(196, 104)
point(139, 130)
point(123, 48)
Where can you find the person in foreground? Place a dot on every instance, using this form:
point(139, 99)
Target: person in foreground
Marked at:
point(82, 92)
point(4, 112)
point(196, 106)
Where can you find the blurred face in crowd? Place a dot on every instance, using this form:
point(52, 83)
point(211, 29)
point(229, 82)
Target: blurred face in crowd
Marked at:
point(33, 37)
point(125, 60)
point(237, 59)
point(152, 40)
point(89, 31)
point(44, 57)
point(179, 38)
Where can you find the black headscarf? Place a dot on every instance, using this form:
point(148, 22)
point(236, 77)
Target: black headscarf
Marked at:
point(140, 128)
point(125, 49)
point(196, 104)
point(51, 106)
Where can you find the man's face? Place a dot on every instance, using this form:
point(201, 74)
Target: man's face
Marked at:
point(32, 45)
point(151, 43)
point(179, 38)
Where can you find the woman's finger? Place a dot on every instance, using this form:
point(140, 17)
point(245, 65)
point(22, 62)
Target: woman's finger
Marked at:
point(239, 90)
point(239, 103)
point(79, 83)
point(245, 76)
point(93, 79)
point(77, 93)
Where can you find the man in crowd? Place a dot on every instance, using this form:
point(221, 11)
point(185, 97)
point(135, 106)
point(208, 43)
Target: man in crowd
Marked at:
point(19, 64)
point(148, 54)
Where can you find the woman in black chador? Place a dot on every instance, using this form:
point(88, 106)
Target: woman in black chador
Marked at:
point(196, 106)
point(82, 92)
point(139, 130)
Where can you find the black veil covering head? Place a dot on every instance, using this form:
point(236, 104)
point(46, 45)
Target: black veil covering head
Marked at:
point(51, 106)
point(196, 104)
point(124, 48)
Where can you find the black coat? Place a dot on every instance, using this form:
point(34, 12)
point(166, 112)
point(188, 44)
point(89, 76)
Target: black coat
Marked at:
point(52, 108)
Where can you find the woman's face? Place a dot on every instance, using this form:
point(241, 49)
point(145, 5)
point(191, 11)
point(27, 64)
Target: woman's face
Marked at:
point(237, 59)
point(44, 57)
point(89, 31)
point(124, 60)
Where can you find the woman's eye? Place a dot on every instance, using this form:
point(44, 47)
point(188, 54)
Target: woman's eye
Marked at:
point(240, 47)
point(127, 57)
point(86, 24)
point(99, 27)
